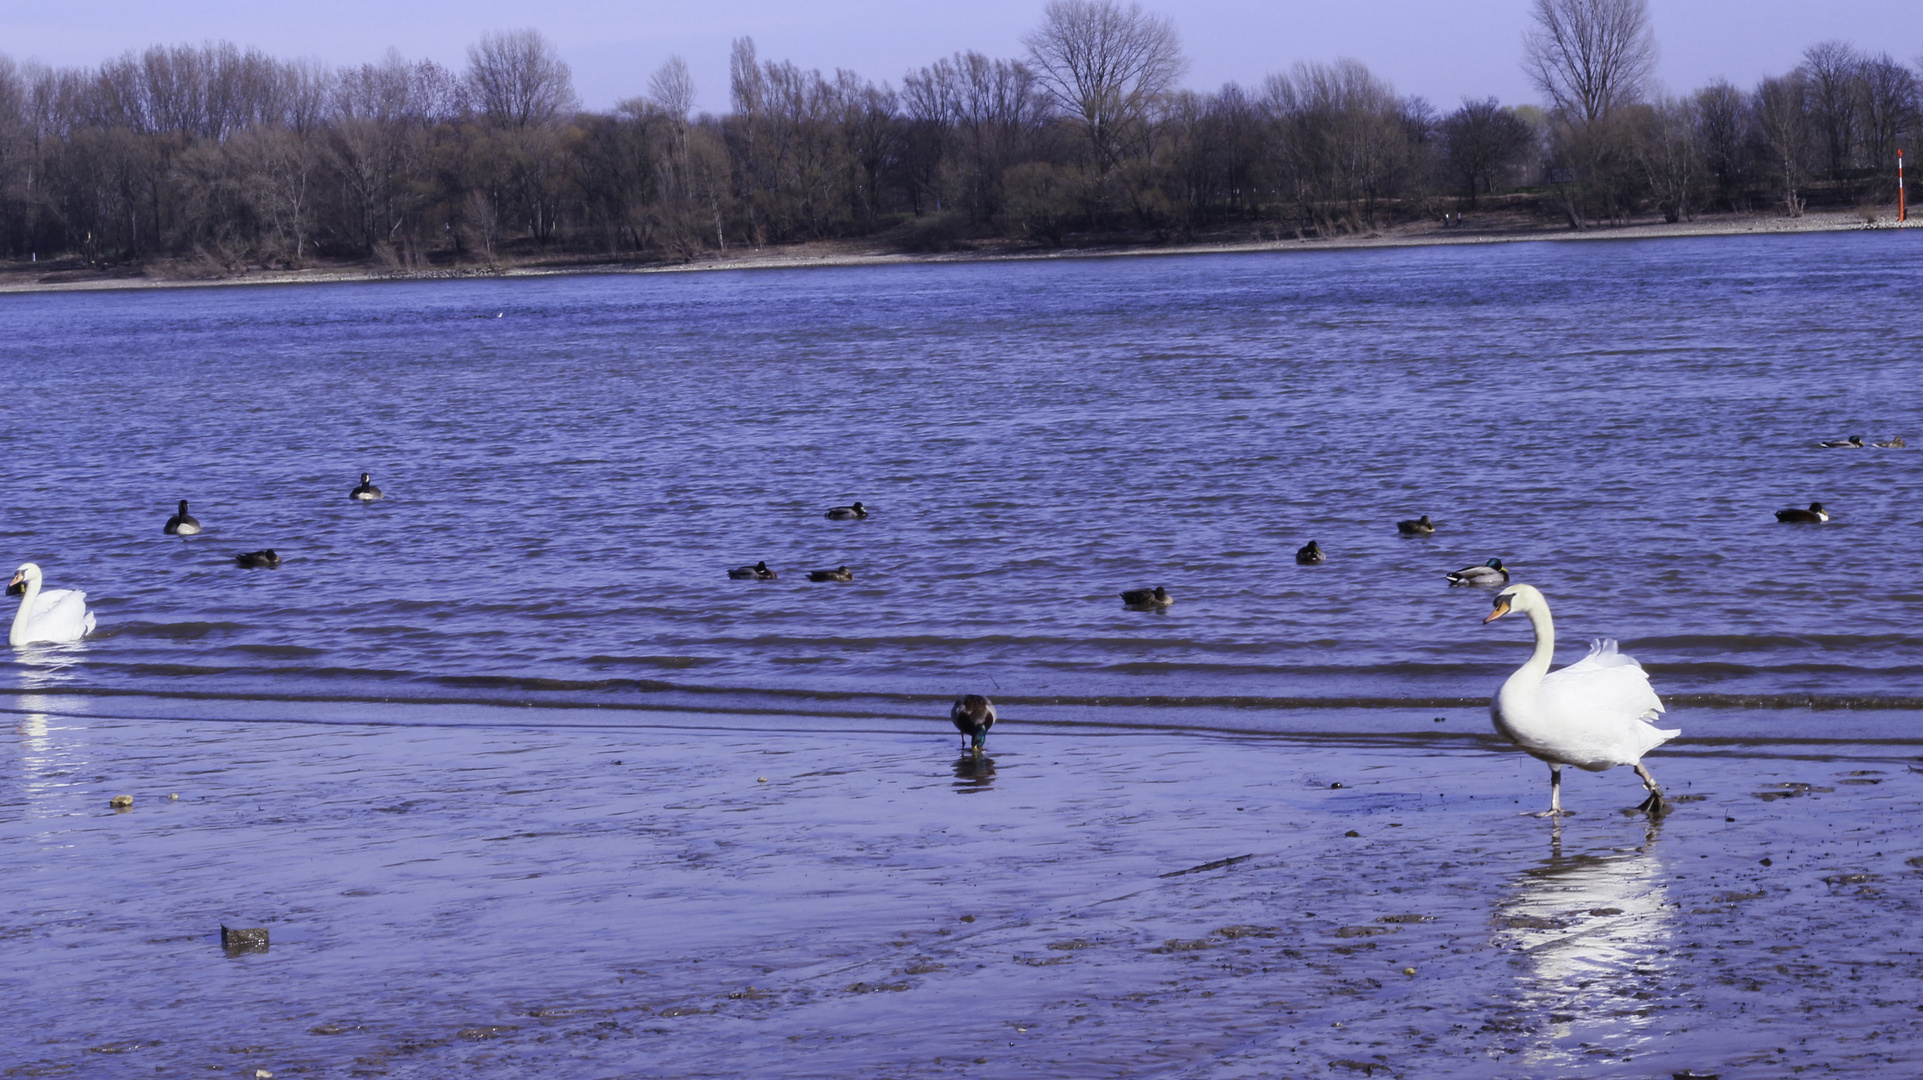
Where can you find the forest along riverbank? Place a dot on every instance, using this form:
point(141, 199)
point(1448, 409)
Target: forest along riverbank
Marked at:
point(71, 275)
point(1087, 903)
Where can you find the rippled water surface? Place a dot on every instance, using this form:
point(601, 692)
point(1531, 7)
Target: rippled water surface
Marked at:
point(574, 463)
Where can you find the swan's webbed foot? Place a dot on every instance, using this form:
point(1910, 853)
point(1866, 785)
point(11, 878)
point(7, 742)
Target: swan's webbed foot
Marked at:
point(1655, 805)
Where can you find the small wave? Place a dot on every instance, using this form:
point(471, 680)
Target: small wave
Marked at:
point(178, 631)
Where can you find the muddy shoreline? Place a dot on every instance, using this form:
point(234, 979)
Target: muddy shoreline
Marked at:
point(676, 902)
point(18, 278)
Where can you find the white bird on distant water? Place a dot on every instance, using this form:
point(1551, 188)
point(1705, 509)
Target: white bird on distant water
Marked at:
point(55, 615)
point(1594, 714)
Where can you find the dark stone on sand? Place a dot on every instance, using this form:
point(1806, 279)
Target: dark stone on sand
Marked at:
point(1335, 785)
point(1404, 918)
point(1692, 1074)
point(1605, 911)
point(243, 940)
point(876, 988)
point(1352, 832)
point(121, 802)
point(1763, 862)
point(485, 1031)
point(1850, 879)
point(1363, 931)
point(968, 918)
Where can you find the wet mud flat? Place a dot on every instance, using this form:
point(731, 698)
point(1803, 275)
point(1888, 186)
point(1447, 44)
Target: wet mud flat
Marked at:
point(676, 902)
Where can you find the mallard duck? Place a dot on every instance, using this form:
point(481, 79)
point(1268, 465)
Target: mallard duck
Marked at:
point(840, 573)
point(1854, 441)
point(1595, 714)
point(181, 524)
point(1310, 555)
point(264, 559)
point(1894, 444)
point(757, 572)
point(1157, 597)
point(973, 716)
point(1814, 513)
point(367, 492)
point(1489, 573)
point(56, 615)
point(845, 513)
point(1421, 526)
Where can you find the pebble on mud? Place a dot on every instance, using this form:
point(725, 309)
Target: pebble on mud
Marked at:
point(968, 918)
point(761, 779)
point(175, 797)
point(1352, 832)
point(263, 1074)
point(248, 939)
point(1408, 971)
point(121, 802)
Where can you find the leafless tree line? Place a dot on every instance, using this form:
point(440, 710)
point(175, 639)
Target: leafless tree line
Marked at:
point(230, 156)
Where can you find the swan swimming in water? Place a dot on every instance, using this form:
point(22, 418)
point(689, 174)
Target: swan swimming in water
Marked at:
point(1594, 714)
point(181, 524)
point(55, 615)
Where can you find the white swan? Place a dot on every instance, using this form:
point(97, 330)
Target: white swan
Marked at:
point(54, 615)
point(1594, 714)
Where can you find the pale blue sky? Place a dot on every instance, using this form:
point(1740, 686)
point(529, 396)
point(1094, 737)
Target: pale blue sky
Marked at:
point(1441, 50)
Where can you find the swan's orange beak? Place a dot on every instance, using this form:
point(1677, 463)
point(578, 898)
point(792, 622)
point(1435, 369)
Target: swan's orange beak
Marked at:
point(1502, 608)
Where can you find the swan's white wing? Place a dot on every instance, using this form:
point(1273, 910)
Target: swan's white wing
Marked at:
point(60, 615)
point(1605, 703)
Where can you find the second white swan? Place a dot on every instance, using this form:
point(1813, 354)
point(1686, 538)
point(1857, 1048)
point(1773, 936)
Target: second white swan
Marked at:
point(54, 615)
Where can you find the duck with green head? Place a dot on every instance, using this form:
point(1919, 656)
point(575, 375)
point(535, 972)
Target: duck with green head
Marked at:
point(973, 715)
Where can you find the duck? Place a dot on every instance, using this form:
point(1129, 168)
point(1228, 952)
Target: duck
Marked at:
point(1421, 526)
point(264, 559)
point(840, 573)
point(845, 513)
point(1157, 597)
point(56, 615)
point(1895, 443)
point(1853, 442)
point(973, 715)
point(1595, 714)
point(367, 492)
point(1814, 513)
point(757, 572)
point(181, 524)
point(1489, 573)
point(1310, 555)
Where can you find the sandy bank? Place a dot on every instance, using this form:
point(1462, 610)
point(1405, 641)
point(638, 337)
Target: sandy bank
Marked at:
point(641, 902)
point(19, 278)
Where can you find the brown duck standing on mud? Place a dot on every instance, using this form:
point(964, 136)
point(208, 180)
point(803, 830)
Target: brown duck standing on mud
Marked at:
point(973, 716)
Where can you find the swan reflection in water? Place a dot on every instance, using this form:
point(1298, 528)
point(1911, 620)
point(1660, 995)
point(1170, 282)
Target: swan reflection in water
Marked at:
point(974, 773)
point(1594, 931)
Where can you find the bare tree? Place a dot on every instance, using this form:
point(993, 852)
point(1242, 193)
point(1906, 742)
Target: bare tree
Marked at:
point(519, 79)
point(1783, 118)
point(1482, 142)
point(671, 89)
point(1890, 103)
point(1590, 56)
point(1722, 125)
point(1830, 73)
point(1104, 66)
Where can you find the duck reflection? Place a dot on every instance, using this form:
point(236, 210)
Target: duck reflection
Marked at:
point(1594, 930)
point(974, 772)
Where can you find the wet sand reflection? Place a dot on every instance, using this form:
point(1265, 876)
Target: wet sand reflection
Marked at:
point(1594, 929)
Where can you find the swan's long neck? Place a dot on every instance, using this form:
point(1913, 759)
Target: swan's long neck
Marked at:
point(18, 635)
point(1538, 664)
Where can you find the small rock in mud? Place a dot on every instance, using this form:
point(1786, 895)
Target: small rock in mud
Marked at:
point(968, 918)
point(1363, 931)
point(1532, 922)
point(1692, 1074)
point(1244, 931)
point(174, 797)
point(754, 994)
point(1915, 860)
point(1850, 879)
point(918, 969)
point(243, 940)
point(121, 802)
point(1404, 918)
point(1611, 910)
point(1366, 1068)
point(333, 1029)
point(682, 1010)
point(1738, 897)
point(1764, 861)
point(1408, 971)
point(1078, 943)
point(485, 1031)
point(1177, 945)
point(874, 988)
point(1352, 832)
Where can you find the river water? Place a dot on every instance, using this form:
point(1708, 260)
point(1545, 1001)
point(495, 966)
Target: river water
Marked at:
point(572, 464)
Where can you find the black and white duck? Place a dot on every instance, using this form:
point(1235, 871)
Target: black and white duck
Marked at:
point(1157, 597)
point(181, 524)
point(846, 513)
point(1815, 513)
point(367, 492)
point(1489, 573)
point(757, 572)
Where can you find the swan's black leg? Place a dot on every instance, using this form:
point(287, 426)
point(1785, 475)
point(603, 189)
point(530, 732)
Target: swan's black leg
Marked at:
point(1555, 792)
point(1655, 803)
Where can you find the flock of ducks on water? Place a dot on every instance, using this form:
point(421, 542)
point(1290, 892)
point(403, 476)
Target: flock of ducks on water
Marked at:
point(56, 616)
point(1594, 714)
